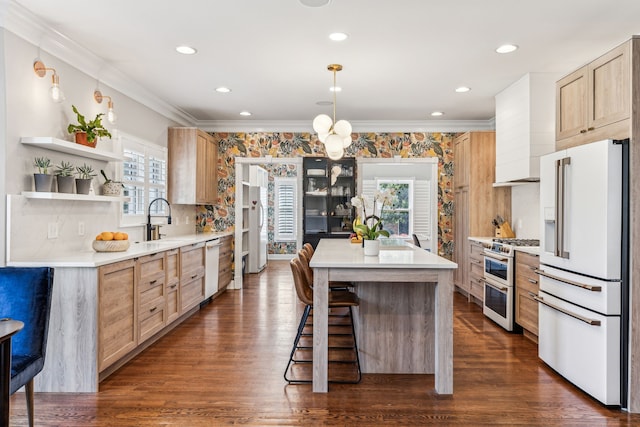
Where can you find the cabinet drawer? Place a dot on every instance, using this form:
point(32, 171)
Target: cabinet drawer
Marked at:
point(526, 311)
point(476, 251)
point(526, 264)
point(224, 279)
point(152, 292)
point(152, 281)
point(151, 318)
point(477, 269)
point(476, 285)
point(150, 265)
point(191, 293)
point(191, 259)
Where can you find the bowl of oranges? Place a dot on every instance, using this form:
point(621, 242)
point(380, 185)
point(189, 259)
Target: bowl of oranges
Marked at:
point(111, 241)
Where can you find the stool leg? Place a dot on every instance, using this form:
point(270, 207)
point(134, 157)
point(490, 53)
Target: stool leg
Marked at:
point(355, 344)
point(28, 388)
point(303, 321)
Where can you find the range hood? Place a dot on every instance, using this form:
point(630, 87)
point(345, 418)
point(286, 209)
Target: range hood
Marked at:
point(525, 128)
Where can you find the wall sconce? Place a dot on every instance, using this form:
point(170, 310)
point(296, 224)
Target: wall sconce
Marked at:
point(41, 70)
point(98, 96)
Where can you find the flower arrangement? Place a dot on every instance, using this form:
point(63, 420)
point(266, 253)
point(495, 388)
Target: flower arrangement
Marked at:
point(371, 227)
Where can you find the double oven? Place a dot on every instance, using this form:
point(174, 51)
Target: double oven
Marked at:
point(499, 291)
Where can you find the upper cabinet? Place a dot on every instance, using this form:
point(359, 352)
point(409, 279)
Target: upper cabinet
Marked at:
point(594, 102)
point(193, 164)
point(524, 127)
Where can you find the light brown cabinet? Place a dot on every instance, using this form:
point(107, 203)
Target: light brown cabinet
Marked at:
point(172, 283)
point(526, 288)
point(476, 202)
point(152, 314)
point(193, 164)
point(225, 261)
point(117, 312)
point(476, 270)
point(594, 102)
point(191, 276)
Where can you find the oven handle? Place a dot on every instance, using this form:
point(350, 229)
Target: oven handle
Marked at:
point(499, 258)
point(497, 288)
point(586, 320)
point(591, 288)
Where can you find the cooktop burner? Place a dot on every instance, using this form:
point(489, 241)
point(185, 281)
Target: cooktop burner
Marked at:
point(517, 242)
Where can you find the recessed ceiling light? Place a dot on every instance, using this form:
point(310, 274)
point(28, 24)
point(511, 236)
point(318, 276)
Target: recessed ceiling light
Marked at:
point(223, 89)
point(437, 114)
point(315, 3)
point(324, 103)
point(463, 89)
point(186, 50)
point(338, 37)
point(335, 89)
point(506, 48)
point(245, 113)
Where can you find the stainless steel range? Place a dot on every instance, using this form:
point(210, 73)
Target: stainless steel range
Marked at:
point(499, 279)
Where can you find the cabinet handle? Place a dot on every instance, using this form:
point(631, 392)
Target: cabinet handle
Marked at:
point(153, 282)
point(532, 295)
point(194, 276)
point(583, 131)
point(153, 309)
point(591, 128)
point(173, 286)
point(535, 282)
point(153, 254)
point(534, 268)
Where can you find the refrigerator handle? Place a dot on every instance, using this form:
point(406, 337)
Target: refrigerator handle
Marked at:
point(560, 206)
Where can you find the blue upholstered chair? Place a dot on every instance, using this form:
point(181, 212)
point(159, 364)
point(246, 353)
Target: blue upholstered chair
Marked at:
point(25, 295)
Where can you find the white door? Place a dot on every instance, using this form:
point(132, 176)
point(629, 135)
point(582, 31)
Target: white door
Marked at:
point(580, 202)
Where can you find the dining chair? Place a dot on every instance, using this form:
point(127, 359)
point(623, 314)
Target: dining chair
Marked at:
point(25, 295)
point(343, 299)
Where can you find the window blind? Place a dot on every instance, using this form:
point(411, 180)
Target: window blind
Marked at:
point(285, 213)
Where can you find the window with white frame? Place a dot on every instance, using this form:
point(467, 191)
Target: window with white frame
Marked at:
point(398, 218)
point(144, 175)
point(285, 209)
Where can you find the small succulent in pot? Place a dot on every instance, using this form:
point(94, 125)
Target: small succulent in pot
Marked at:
point(65, 169)
point(85, 171)
point(43, 164)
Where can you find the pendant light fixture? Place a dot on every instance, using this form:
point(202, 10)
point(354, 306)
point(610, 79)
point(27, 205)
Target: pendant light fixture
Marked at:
point(336, 136)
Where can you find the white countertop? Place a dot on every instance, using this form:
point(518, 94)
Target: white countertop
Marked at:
point(341, 253)
point(90, 258)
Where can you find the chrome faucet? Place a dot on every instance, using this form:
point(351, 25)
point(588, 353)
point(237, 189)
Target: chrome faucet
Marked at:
point(149, 226)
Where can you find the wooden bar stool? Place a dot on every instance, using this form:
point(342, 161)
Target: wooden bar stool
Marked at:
point(339, 299)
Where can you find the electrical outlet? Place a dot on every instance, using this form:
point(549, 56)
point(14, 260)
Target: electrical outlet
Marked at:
point(81, 229)
point(52, 230)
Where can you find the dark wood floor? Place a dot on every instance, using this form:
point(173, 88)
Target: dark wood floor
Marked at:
point(225, 365)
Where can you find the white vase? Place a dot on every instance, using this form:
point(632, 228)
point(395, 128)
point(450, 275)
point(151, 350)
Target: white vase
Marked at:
point(371, 247)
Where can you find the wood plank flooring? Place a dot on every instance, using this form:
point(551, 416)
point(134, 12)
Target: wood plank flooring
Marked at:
point(225, 366)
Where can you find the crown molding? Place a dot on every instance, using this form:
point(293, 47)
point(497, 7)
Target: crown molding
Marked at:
point(20, 21)
point(359, 126)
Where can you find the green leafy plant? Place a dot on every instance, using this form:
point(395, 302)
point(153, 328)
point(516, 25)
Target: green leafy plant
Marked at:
point(94, 128)
point(85, 171)
point(64, 169)
point(107, 180)
point(43, 164)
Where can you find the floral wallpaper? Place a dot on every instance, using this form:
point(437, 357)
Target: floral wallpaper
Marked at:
point(287, 144)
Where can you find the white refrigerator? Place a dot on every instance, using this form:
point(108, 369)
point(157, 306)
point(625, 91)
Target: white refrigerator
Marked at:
point(258, 204)
point(583, 262)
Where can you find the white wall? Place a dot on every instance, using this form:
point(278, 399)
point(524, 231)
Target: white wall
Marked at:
point(525, 210)
point(31, 112)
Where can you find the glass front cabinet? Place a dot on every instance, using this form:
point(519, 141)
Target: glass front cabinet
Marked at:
point(328, 188)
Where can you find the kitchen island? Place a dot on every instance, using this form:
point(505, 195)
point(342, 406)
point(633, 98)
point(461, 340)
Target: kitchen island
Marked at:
point(404, 323)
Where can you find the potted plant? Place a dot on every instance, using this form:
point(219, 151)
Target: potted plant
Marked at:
point(64, 176)
point(111, 187)
point(371, 228)
point(42, 179)
point(87, 133)
point(85, 176)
